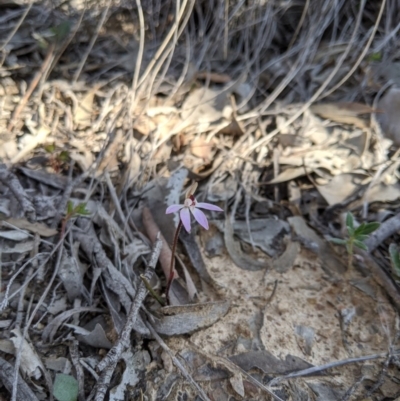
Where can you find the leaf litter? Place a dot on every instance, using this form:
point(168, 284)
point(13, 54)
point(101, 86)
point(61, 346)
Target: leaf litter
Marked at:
point(286, 133)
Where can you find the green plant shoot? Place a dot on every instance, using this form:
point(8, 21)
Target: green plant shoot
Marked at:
point(356, 236)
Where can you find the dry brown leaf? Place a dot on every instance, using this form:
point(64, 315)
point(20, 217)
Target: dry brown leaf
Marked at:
point(84, 110)
point(390, 118)
point(287, 175)
point(234, 129)
point(340, 188)
point(110, 159)
point(237, 383)
point(345, 113)
point(214, 77)
point(200, 147)
point(144, 125)
point(36, 228)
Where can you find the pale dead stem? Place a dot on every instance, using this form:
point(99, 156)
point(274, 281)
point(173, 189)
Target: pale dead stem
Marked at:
point(170, 51)
point(74, 353)
point(318, 369)
point(363, 53)
point(300, 25)
point(117, 205)
point(15, 29)
point(317, 94)
point(92, 42)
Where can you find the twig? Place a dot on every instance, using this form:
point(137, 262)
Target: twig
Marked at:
point(21, 105)
point(16, 27)
point(318, 369)
point(107, 365)
point(74, 353)
point(386, 230)
point(139, 58)
point(117, 204)
point(176, 362)
point(24, 393)
point(316, 95)
point(363, 53)
point(352, 389)
point(92, 42)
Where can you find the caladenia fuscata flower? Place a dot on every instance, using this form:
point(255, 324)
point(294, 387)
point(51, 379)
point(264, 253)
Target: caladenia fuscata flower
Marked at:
point(189, 206)
point(192, 206)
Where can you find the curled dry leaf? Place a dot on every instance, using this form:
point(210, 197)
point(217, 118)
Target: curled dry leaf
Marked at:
point(152, 231)
point(189, 318)
point(35, 228)
point(345, 113)
point(31, 364)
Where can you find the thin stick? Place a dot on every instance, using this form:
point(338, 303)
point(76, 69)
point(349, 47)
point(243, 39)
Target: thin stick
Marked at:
point(176, 362)
point(318, 369)
point(115, 352)
point(92, 42)
point(46, 64)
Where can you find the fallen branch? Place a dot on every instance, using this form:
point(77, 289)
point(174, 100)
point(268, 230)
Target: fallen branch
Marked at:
point(107, 365)
point(318, 369)
point(386, 230)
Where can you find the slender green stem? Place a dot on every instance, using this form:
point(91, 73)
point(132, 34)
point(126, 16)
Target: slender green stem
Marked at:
point(151, 291)
point(172, 264)
point(350, 251)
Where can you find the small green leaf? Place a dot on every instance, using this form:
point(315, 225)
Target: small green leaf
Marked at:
point(338, 241)
point(369, 228)
point(50, 148)
point(65, 388)
point(360, 237)
point(375, 56)
point(61, 31)
point(359, 229)
point(395, 258)
point(63, 156)
point(81, 209)
point(351, 231)
point(70, 207)
point(361, 245)
point(349, 221)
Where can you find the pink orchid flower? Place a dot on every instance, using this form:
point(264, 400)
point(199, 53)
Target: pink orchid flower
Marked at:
point(193, 206)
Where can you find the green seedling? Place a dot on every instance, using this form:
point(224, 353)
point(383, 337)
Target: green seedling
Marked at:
point(356, 236)
point(375, 57)
point(73, 211)
point(395, 258)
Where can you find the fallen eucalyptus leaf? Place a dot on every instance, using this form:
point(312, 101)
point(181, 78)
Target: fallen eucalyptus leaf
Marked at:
point(268, 363)
point(189, 318)
point(65, 388)
point(36, 228)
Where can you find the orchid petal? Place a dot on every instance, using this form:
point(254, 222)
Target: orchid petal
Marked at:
point(208, 206)
point(185, 218)
point(173, 209)
point(200, 218)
